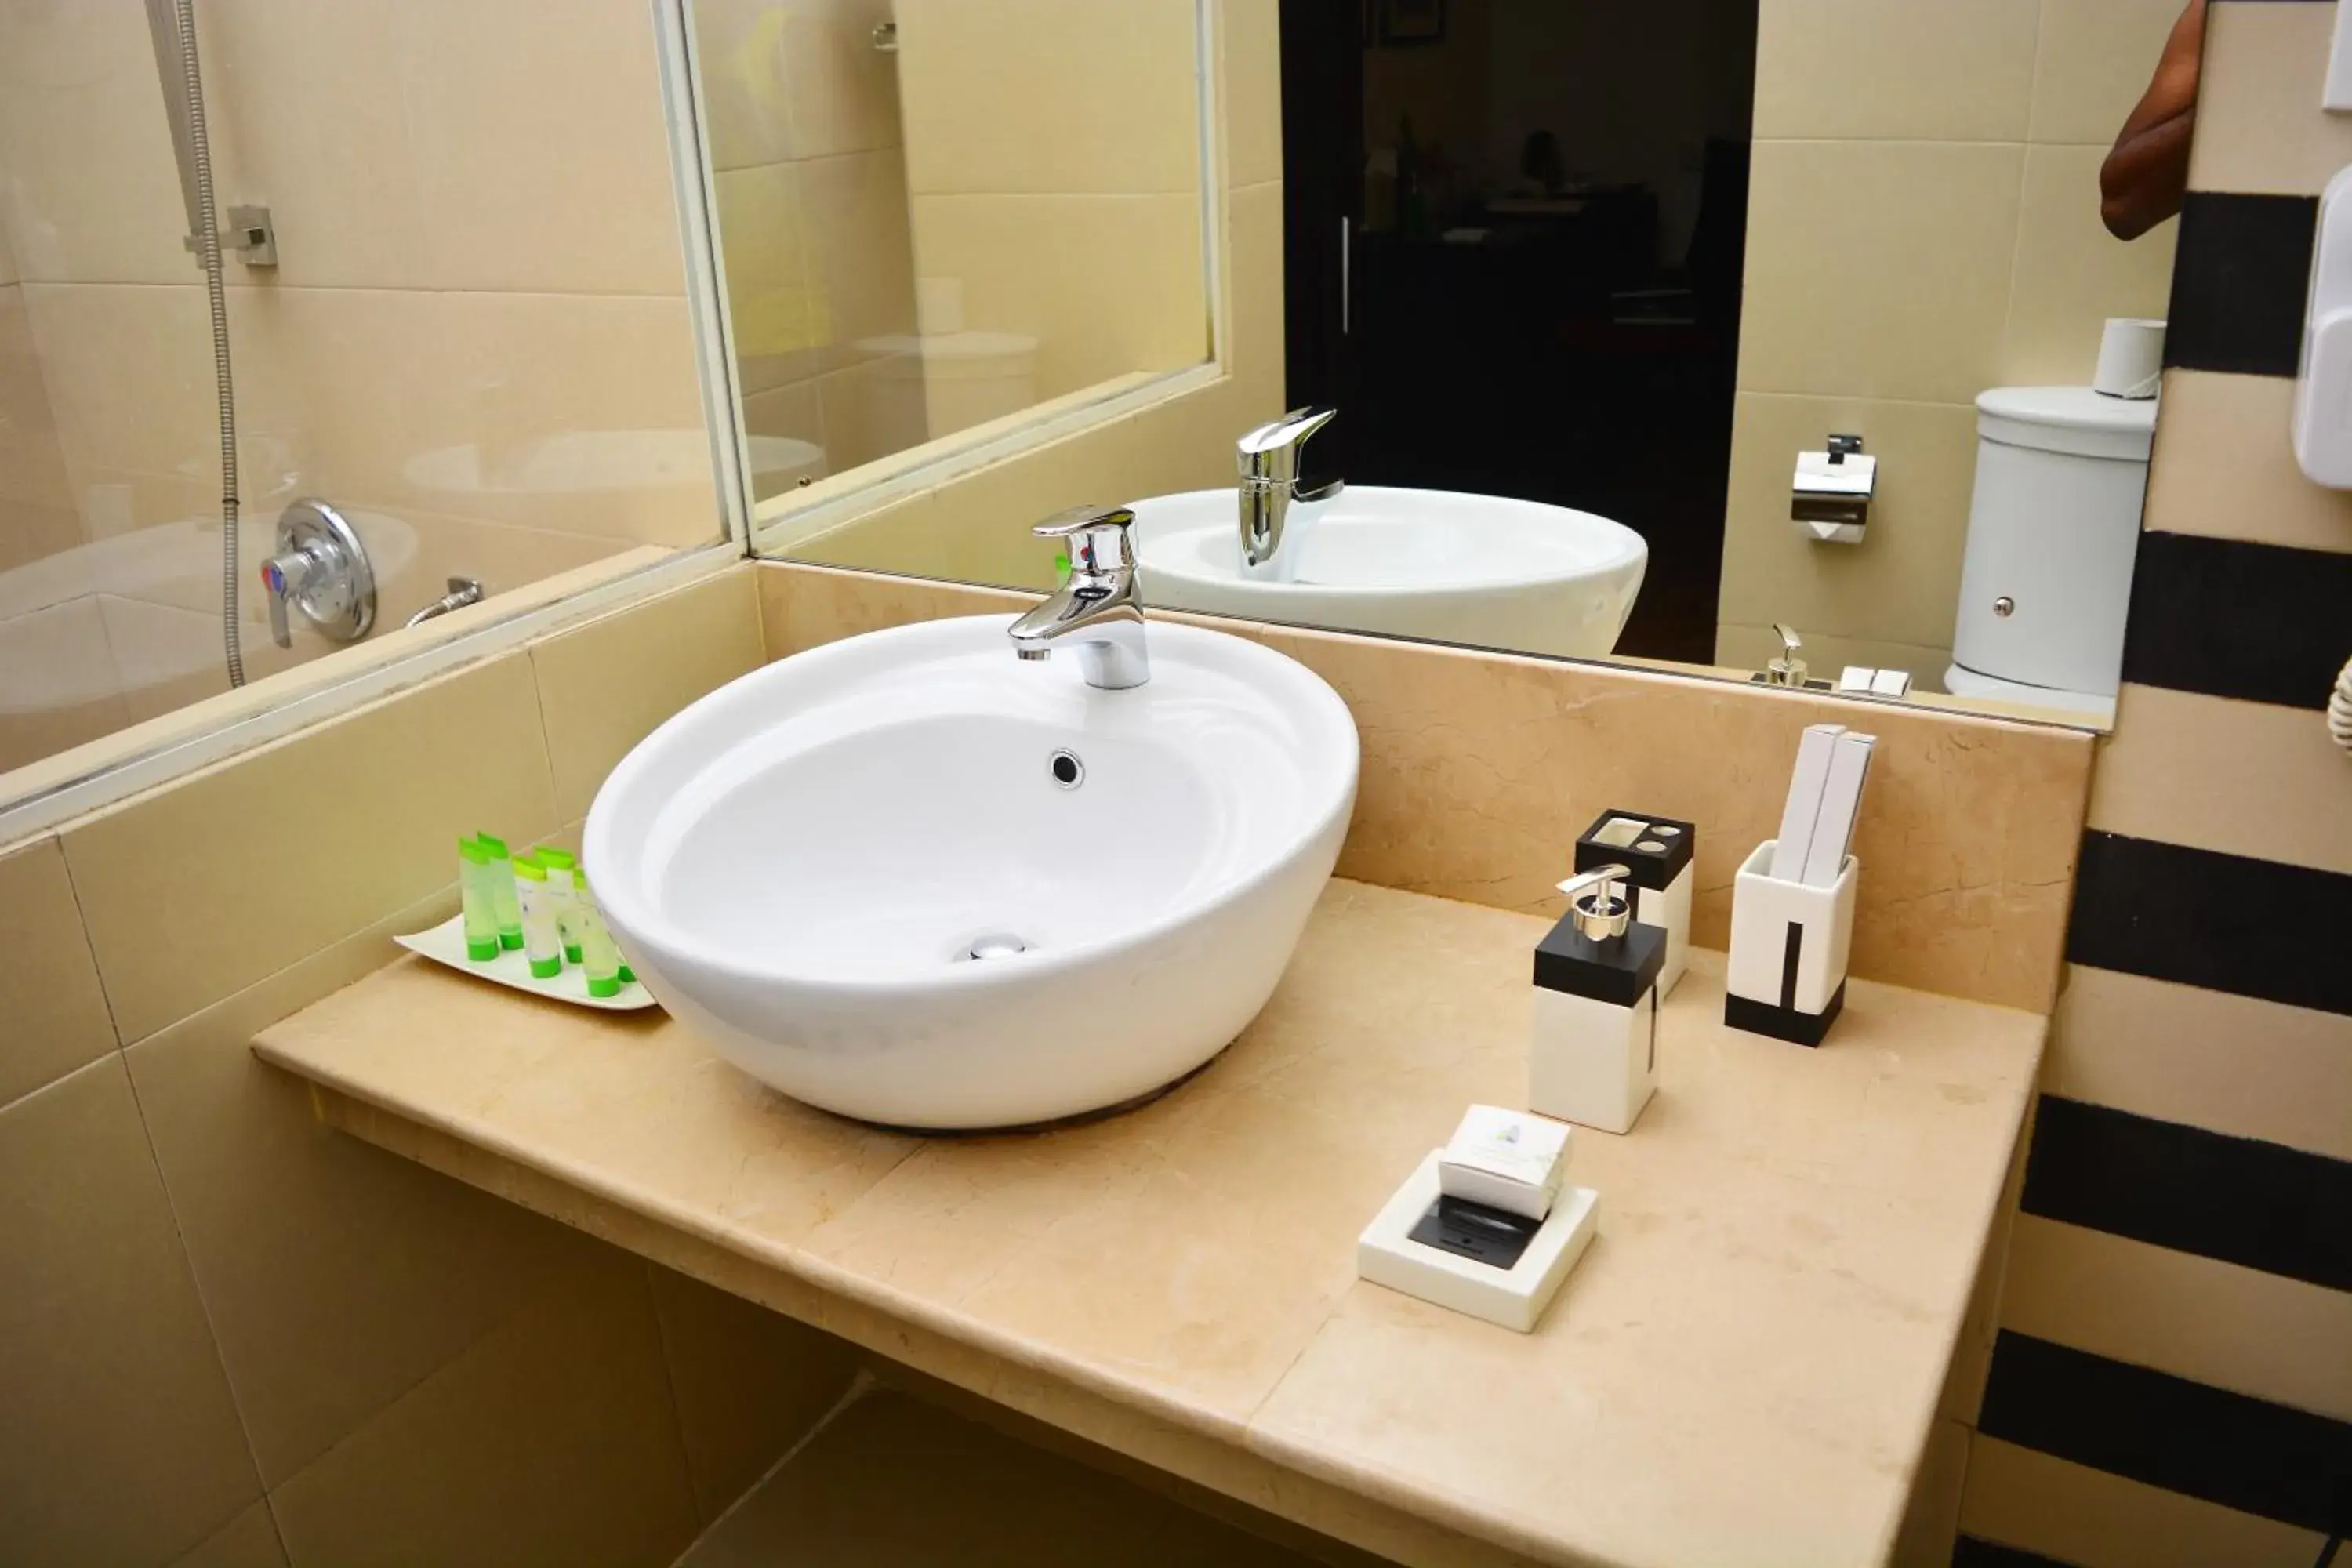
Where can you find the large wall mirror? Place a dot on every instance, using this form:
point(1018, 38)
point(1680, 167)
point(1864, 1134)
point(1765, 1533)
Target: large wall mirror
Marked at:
point(1734, 335)
point(936, 220)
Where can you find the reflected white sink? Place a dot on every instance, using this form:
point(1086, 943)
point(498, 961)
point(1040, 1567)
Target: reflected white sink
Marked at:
point(1483, 570)
point(803, 863)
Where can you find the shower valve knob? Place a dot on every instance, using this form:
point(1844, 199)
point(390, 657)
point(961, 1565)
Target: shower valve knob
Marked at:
point(322, 570)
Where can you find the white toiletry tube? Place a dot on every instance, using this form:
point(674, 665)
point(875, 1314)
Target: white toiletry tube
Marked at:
point(1806, 785)
point(1841, 800)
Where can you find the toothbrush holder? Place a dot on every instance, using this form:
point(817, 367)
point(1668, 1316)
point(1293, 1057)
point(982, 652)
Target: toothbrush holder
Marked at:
point(1789, 941)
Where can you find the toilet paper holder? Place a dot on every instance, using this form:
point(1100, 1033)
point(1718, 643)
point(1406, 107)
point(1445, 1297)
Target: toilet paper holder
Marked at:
point(1829, 496)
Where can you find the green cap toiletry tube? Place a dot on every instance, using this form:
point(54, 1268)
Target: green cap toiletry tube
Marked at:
point(540, 945)
point(563, 874)
point(474, 901)
point(505, 907)
point(604, 960)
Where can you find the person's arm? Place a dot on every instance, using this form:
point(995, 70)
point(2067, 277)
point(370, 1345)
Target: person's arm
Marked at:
point(2144, 178)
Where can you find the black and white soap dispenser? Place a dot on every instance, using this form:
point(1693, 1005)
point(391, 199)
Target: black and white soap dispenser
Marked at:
point(1593, 1056)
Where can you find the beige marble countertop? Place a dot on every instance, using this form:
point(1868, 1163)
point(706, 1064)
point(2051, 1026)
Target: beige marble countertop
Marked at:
point(1743, 1368)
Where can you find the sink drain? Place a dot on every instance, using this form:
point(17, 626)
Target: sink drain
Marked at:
point(1068, 771)
point(997, 944)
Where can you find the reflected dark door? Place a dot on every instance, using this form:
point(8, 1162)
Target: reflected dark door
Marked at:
point(1323, 198)
point(1565, 335)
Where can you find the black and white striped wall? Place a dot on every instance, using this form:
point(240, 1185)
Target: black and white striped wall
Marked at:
point(2172, 1379)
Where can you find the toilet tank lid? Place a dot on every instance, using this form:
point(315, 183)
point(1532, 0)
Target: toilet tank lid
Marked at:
point(2067, 419)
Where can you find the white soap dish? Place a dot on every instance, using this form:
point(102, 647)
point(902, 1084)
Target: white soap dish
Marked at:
point(1513, 1298)
point(446, 943)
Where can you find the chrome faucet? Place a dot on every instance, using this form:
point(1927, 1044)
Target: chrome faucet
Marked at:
point(1099, 607)
point(1274, 512)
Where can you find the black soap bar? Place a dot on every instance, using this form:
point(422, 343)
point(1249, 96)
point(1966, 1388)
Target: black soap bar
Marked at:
point(1651, 868)
point(1489, 1235)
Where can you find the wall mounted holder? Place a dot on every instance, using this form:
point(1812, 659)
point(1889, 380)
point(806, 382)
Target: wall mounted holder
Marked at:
point(1790, 943)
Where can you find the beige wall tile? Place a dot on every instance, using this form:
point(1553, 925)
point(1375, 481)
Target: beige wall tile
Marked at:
point(2224, 464)
point(1065, 97)
point(92, 192)
point(861, 250)
point(1937, 70)
point(248, 1540)
point(604, 685)
point(1878, 269)
point(1478, 767)
point(1901, 584)
point(585, 208)
point(750, 1383)
point(871, 411)
point(516, 407)
point(336, 1278)
point(843, 92)
point(2020, 1498)
point(7, 257)
point(746, 105)
point(2258, 125)
point(775, 305)
point(2072, 274)
point(553, 1440)
point(197, 890)
point(32, 466)
point(1250, 38)
point(2244, 778)
point(49, 993)
point(1032, 264)
point(794, 79)
point(901, 537)
point(122, 1444)
point(2180, 1053)
point(2094, 60)
point(2259, 1334)
point(58, 661)
point(129, 377)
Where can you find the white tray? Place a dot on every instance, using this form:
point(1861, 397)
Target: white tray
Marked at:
point(446, 943)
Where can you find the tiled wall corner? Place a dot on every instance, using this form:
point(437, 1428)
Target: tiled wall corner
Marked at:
point(50, 996)
point(214, 1296)
point(123, 1444)
point(603, 687)
point(748, 1383)
point(199, 889)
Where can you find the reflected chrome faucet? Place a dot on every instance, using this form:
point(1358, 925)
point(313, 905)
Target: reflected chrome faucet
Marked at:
point(1099, 607)
point(1274, 512)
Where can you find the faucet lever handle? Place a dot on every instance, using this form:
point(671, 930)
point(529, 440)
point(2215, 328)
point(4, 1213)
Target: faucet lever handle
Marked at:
point(1271, 451)
point(1098, 536)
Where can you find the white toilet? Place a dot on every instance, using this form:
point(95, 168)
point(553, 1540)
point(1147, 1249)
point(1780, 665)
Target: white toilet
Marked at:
point(2061, 473)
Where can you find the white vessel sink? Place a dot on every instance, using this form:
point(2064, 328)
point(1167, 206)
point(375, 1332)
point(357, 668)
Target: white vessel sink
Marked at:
point(803, 864)
point(1483, 570)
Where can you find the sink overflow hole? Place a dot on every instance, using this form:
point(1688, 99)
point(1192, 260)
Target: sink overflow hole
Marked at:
point(998, 945)
point(1068, 771)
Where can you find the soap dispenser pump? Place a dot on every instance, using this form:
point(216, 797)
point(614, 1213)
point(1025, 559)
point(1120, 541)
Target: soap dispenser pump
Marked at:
point(1593, 1057)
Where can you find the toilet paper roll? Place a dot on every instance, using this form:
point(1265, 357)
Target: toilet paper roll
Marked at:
point(2131, 358)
